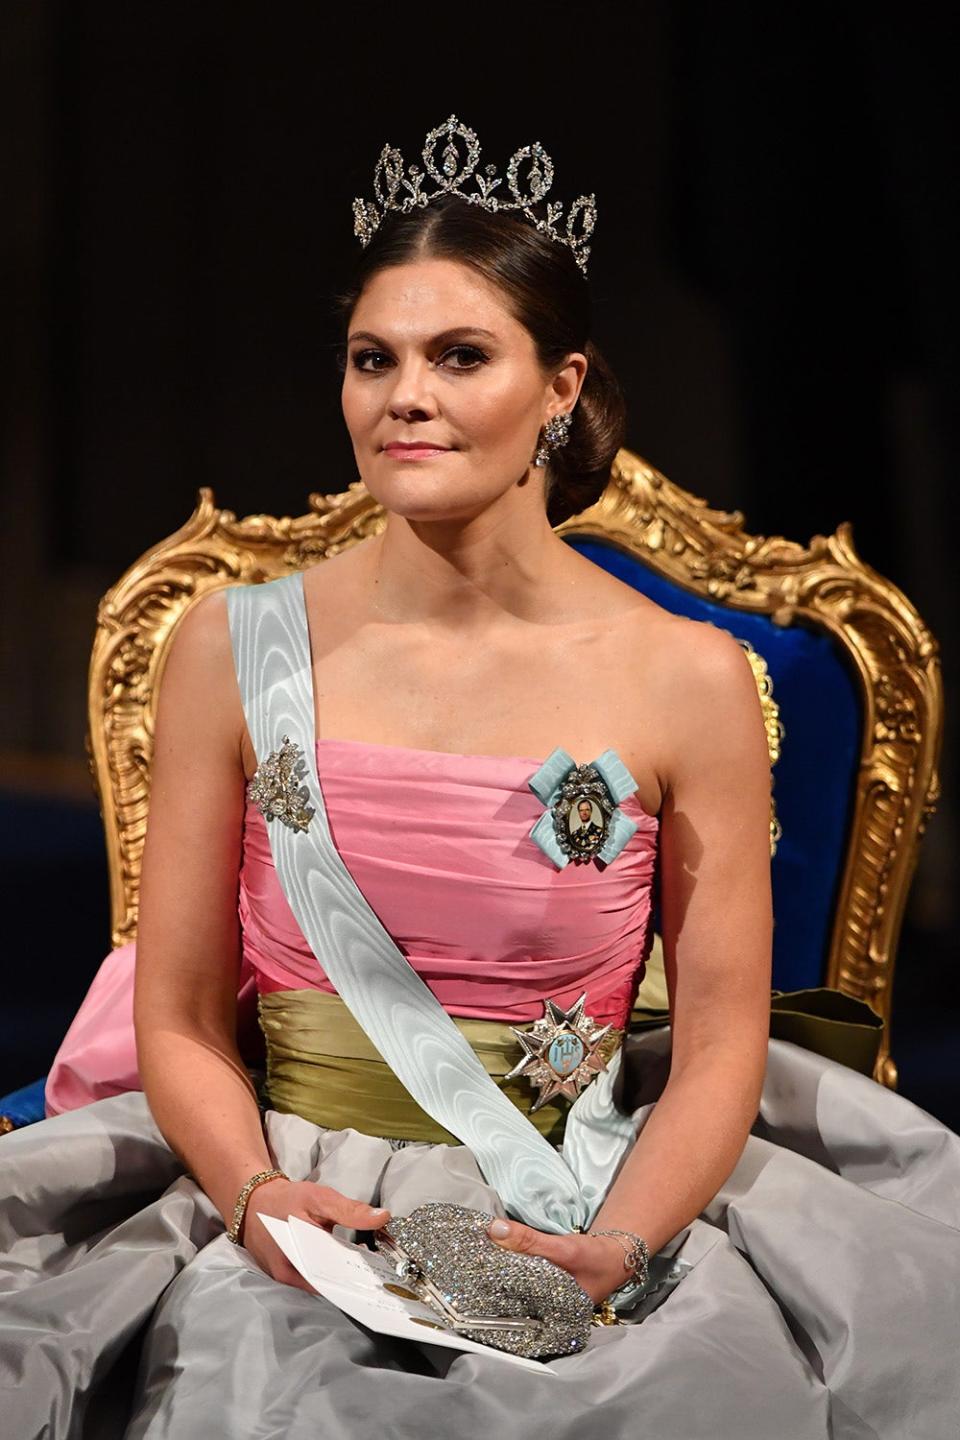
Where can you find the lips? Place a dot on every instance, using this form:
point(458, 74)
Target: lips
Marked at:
point(419, 451)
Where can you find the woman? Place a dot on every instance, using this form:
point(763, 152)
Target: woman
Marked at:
point(820, 1268)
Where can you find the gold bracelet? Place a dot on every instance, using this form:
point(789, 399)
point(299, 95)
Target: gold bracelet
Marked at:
point(240, 1208)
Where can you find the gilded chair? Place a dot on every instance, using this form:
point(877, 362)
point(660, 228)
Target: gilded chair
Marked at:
point(848, 675)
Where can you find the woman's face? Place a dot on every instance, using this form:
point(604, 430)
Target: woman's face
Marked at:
point(434, 358)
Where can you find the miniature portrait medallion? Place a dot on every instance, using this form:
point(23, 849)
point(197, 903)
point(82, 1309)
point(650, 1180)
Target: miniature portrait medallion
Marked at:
point(584, 819)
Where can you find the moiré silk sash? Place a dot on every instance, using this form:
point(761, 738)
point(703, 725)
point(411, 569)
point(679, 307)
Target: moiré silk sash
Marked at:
point(551, 1191)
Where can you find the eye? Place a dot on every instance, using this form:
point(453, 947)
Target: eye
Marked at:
point(479, 357)
point(472, 352)
point(359, 358)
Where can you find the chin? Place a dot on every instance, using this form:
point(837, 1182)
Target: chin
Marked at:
point(421, 495)
point(415, 508)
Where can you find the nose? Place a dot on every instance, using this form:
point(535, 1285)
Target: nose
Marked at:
point(411, 392)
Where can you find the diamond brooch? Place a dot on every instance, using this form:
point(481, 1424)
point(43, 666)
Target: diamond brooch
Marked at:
point(561, 1052)
point(276, 787)
point(583, 820)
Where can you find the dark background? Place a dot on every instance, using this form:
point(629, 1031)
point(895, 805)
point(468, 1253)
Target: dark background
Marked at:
point(775, 279)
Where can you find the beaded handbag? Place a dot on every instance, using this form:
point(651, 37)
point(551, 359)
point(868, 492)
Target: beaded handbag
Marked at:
point(521, 1303)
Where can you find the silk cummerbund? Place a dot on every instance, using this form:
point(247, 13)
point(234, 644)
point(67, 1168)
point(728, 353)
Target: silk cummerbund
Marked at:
point(321, 1065)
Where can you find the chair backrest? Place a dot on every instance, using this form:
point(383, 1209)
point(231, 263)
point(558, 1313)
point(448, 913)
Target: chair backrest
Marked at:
point(848, 674)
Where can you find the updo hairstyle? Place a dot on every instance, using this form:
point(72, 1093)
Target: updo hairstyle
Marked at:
point(547, 293)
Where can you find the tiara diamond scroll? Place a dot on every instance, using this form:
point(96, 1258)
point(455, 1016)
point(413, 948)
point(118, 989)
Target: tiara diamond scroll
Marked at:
point(452, 172)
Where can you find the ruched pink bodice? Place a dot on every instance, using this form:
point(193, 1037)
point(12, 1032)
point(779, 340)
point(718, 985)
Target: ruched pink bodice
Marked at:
point(439, 845)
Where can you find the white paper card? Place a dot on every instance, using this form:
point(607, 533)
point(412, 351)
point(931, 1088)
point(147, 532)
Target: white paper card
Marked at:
point(352, 1278)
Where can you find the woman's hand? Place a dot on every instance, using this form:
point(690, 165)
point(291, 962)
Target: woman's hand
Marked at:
point(594, 1261)
point(317, 1204)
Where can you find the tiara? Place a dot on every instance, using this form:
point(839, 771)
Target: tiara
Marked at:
point(388, 178)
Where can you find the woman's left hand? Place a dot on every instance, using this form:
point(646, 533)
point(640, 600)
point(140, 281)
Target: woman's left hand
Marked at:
point(594, 1261)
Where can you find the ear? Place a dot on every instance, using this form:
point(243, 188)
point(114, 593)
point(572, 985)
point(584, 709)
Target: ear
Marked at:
point(564, 389)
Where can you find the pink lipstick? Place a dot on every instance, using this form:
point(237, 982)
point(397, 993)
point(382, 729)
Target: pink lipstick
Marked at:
point(414, 452)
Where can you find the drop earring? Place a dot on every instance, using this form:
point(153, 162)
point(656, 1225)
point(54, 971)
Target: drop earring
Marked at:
point(556, 432)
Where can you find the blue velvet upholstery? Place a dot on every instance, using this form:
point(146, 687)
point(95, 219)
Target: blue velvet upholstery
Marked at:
point(24, 1106)
point(814, 779)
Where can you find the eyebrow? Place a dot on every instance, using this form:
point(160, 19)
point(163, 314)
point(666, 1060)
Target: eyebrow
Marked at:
point(435, 339)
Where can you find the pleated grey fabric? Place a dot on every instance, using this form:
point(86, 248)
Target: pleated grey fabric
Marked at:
point(823, 1299)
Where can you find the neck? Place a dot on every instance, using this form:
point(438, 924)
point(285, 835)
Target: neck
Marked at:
point(469, 574)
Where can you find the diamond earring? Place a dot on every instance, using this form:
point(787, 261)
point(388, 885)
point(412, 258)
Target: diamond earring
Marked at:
point(556, 432)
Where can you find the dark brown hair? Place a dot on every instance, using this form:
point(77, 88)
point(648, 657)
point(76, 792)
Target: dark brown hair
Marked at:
point(547, 293)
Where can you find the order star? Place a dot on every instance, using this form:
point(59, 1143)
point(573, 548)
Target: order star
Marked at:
point(561, 1052)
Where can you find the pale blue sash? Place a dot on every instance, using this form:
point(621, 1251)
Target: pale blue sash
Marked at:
point(551, 1190)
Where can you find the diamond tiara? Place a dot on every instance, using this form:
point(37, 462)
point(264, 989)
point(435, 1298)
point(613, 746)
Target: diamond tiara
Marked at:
point(388, 178)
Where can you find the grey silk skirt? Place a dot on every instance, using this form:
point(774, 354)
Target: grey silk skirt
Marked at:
point(823, 1298)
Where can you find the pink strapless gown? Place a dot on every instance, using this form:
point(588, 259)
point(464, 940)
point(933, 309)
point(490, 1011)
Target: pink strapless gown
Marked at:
point(439, 845)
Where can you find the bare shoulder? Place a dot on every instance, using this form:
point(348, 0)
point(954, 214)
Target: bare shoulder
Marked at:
point(689, 684)
point(705, 664)
point(703, 655)
point(693, 654)
point(675, 648)
point(198, 683)
point(202, 635)
point(679, 675)
point(707, 695)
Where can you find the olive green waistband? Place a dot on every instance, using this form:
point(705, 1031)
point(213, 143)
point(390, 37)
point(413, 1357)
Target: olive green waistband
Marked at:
point(322, 1065)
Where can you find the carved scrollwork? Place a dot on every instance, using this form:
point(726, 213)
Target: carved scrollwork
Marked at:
point(773, 724)
point(706, 551)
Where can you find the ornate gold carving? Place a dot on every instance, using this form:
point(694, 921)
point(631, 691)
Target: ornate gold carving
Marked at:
point(707, 551)
point(773, 724)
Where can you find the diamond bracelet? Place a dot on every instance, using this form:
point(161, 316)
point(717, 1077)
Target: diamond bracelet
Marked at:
point(240, 1208)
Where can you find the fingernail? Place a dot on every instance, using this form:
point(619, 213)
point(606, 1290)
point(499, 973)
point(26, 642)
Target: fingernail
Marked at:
point(499, 1229)
point(378, 1210)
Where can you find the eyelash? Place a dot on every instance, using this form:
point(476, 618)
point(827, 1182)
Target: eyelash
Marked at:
point(361, 355)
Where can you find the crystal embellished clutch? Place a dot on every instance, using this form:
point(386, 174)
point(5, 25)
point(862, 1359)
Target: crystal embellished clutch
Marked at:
point(521, 1303)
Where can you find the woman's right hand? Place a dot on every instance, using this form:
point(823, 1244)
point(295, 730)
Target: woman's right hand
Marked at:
point(317, 1204)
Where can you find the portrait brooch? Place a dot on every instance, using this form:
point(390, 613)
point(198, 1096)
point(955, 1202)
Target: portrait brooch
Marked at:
point(583, 819)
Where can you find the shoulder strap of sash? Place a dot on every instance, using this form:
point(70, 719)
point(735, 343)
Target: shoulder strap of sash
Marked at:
point(400, 1014)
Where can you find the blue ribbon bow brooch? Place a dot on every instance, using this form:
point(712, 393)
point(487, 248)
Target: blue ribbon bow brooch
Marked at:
point(583, 820)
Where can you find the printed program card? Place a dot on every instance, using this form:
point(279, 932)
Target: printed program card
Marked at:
point(354, 1279)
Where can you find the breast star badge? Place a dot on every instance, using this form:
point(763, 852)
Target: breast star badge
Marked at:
point(561, 1052)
